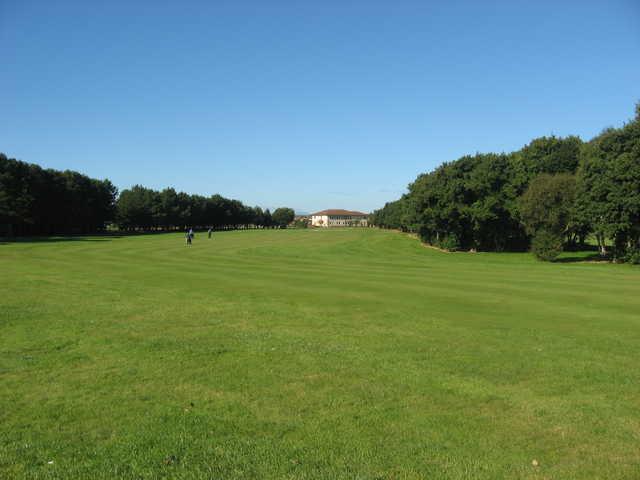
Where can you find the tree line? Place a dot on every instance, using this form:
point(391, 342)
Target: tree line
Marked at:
point(551, 195)
point(37, 201)
point(141, 208)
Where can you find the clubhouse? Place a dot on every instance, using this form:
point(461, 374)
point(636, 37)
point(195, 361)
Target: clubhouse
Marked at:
point(338, 218)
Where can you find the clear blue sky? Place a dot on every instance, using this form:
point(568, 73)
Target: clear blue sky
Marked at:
point(313, 105)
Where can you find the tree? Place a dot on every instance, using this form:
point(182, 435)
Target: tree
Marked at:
point(167, 209)
point(473, 202)
point(548, 204)
point(268, 219)
point(16, 199)
point(546, 210)
point(283, 216)
point(258, 216)
point(144, 208)
point(608, 192)
point(466, 204)
point(551, 155)
point(36, 201)
point(136, 208)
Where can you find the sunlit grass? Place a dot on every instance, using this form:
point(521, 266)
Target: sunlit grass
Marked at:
point(352, 353)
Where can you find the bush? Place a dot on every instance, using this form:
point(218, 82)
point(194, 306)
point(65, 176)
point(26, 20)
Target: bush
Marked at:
point(546, 246)
point(450, 243)
point(301, 223)
point(632, 256)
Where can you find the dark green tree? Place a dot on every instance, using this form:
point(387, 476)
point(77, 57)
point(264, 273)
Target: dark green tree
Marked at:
point(548, 204)
point(267, 220)
point(546, 211)
point(608, 191)
point(258, 216)
point(137, 208)
point(35, 201)
point(283, 216)
point(551, 155)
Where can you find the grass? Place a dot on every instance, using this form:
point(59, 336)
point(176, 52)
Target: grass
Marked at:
point(308, 354)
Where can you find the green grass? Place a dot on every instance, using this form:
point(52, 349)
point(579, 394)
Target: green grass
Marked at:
point(301, 354)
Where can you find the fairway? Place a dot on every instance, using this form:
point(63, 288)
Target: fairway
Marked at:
point(313, 354)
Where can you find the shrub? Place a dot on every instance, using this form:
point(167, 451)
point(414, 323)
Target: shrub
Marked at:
point(632, 256)
point(546, 246)
point(450, 242)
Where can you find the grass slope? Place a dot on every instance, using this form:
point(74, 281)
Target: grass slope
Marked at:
point(313, 354)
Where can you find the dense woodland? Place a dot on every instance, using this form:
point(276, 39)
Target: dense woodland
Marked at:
point(37, 201)
point(552, 194)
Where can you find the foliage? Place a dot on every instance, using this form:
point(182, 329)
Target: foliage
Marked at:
point(632, 255)
point(283, 216)
point(609, 187)
point(35, 201)
point(548, 203)
point(450, 242)
point(146, 209)
point(301, 223)
point(267, 219)
point(546, 245)
point(479, 201)
point(547, 210)
point(472, 201)
point(390, 216)
point(38, 201)
point(551, 155)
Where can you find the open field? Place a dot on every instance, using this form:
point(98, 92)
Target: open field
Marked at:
point(352, 353)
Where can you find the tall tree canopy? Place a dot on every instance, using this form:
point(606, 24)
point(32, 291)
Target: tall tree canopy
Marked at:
point(479, 201)
point(608, 198)
point(140, 208)
point(37, 201)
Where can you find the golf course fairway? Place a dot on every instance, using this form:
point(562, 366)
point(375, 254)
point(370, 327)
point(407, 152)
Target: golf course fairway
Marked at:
point(313, 354)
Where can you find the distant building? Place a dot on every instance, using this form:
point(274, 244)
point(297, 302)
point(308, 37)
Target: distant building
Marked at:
point(338, 218)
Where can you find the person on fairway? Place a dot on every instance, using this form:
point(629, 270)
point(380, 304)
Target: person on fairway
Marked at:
point(209, 231)
point(188, 236)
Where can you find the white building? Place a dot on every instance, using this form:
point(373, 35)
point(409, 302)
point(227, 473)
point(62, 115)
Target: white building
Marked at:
point(338, 218)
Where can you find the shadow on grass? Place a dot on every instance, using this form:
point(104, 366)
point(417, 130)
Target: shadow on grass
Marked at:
point(61, 238)
point(584, 257)
point(89, 237)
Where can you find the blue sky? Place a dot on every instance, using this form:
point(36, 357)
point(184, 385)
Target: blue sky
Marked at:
point(313, 105)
